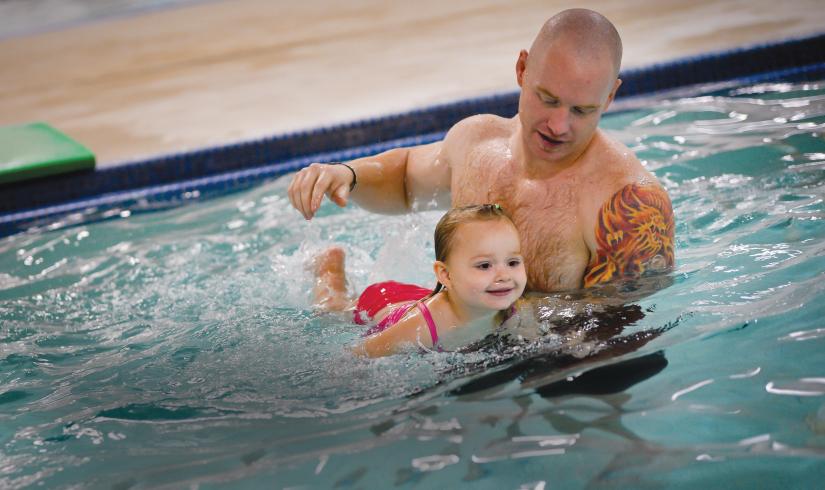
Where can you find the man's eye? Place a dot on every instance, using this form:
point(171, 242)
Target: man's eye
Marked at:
point(549, 101)
point(580, 111)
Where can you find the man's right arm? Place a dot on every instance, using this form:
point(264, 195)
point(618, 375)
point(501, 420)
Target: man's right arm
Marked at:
point(386, 183)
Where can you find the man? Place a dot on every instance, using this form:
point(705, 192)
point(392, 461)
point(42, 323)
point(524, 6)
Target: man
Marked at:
point(587, 210)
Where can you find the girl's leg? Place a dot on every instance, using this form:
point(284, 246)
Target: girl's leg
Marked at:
point(330, 290)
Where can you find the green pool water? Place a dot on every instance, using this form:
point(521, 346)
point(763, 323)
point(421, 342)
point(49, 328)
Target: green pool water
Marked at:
point(177, 348)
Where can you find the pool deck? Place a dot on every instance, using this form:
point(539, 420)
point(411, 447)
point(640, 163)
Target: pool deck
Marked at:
point(226, 71)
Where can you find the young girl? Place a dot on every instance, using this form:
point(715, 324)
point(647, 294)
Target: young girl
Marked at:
point(480, 273)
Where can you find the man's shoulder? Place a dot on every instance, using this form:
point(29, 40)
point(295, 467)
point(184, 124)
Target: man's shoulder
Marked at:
point(627, 218)
point(480, 127)
point(611, 160)
point(611, 168)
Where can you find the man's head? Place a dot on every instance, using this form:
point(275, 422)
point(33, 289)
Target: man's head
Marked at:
point(568, 79)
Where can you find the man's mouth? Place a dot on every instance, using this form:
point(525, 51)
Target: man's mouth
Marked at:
point(548, 140)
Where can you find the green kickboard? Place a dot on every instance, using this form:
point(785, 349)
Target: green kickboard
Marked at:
point(35, 150)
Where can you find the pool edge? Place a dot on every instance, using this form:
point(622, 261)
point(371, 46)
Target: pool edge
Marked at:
point(170, 178)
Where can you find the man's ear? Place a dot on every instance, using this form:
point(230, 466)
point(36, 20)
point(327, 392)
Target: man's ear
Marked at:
point(521, 67)
point(612, 95)
point(442, 273)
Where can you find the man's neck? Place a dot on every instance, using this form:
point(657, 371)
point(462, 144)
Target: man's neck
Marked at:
point(535, 168)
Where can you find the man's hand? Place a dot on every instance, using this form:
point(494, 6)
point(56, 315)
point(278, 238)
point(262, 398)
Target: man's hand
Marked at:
point(310, 184)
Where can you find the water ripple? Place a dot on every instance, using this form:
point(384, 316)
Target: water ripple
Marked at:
point(125, 339)
point(801, 387)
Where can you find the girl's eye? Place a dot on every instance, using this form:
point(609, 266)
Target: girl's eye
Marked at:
point(514, 263)
point(483, 265)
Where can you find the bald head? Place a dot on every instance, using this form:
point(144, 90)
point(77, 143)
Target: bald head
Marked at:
point(586, 31)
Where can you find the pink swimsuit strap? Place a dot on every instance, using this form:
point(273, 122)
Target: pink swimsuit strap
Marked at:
point(398, 313)
point(430, 323)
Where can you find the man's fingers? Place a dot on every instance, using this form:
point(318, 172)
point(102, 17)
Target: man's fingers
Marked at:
point(300, 190)
point(294, 191)
point(303, 194)
point(340, 196)
point(312, 174)
point(308, 187)
point(319, 189)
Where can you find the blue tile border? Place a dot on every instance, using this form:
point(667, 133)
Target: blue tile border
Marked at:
point(169, 178)
point(739, 63)
point(159, 196)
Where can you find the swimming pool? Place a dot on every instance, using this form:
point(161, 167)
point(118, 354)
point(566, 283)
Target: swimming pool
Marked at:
point(177, 348)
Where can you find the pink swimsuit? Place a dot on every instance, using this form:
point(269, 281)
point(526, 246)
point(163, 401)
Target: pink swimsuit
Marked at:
point(380, 295)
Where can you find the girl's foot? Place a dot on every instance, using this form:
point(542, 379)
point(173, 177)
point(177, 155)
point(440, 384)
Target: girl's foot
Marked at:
point(330, 291)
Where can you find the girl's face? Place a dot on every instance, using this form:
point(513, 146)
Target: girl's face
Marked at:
point(484, 270)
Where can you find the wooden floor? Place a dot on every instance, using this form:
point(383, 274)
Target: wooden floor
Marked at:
point(232, 70)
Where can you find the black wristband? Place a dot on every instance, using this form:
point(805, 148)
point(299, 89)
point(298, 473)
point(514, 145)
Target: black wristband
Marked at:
point(354, 178)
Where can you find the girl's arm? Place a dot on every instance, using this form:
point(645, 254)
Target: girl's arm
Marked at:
point(410, 330)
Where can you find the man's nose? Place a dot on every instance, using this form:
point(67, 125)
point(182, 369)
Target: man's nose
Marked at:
point(558, 121)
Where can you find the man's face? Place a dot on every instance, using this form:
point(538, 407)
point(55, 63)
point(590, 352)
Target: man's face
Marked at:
point(562, 99)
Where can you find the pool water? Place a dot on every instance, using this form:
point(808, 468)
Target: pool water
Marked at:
point(177, 347)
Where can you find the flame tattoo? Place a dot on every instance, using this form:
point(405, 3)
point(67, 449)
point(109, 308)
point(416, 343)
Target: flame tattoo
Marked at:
point(634, 234)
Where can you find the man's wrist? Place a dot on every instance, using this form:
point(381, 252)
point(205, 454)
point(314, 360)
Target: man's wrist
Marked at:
point(354, 177)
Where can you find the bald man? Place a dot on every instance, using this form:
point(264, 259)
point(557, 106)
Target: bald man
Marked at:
point(587, 210)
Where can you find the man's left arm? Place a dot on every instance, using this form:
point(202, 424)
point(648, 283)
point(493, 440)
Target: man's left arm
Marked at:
point(634, 235)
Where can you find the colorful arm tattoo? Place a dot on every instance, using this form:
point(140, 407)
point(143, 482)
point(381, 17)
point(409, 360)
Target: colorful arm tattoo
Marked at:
point(634, 235)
